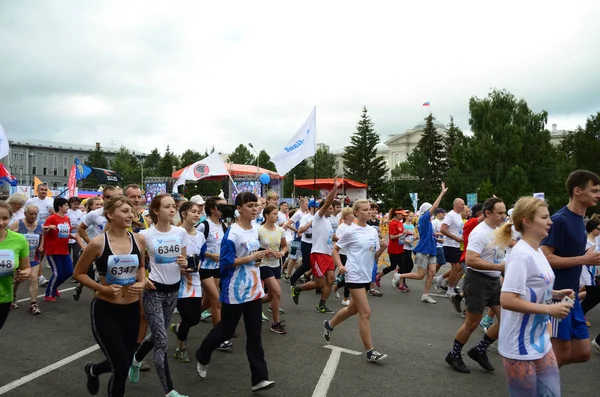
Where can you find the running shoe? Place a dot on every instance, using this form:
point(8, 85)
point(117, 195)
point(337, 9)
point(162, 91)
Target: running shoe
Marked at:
point(395, 280)
point(324, 309)
point(296, 294)
point(457, 363)
point(402, 288)
point(463, 314)
point(337, 294)
point(34, 309)
point(181, 355)
point(174, 393)
point(286, 279)
point(50, 299)
point(346, 302)
point(134, 372)
point(57, 294)
point(263, 385)
point(201, 370)
point(278, 328)
point(455, 300)
point(205, 315)
point(14, 305)
point(450, 293)
point(93, 383)
point(327, 330)
point(224, 346)
point(281, 311)
point(265, 319)
point(481, 359)
point(595, 344)
point(374, 356)
point(42, 281)
point(73, 280)
point(374, 292)
point(406, 287)
point(77, 293)
point(437, 283)
point(427, 299)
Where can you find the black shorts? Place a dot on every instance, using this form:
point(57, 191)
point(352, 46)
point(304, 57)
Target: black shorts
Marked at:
point(452, 254)
point(267, 272)
point(481, 291)
point(366, 286)
point(208, 273)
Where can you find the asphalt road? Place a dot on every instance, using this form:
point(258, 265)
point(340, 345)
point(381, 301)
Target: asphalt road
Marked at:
point(416, 336)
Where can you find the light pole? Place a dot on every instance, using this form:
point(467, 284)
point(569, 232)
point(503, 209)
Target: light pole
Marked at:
point(141, 168)
point(257, 165)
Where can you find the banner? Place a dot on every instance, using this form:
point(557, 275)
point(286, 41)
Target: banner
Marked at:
point(26, 190)
point(540, 195)
point(106, 176)
point(72, 183)
point(471, 199)
point(302, 145)
point(212, 165)
point(414, 198)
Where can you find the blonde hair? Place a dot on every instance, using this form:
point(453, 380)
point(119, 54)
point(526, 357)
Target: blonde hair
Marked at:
point(272, 195)
point(345, 212)
point(525, 208)
point(17, 198)
point(358, 203)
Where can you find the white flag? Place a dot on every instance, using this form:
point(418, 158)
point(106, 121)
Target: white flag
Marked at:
point(212, 165)
point(301, 146)
point(3, 143)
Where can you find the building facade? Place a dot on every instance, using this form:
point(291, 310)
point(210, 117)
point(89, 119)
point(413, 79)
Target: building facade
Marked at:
point(49, 161)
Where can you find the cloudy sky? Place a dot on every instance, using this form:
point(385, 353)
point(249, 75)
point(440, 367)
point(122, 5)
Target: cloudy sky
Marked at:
point(197, 74)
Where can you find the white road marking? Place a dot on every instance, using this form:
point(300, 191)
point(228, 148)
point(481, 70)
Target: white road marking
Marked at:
point(42, 295)
point(41, 372)
point(330, 368)
point(440, 295)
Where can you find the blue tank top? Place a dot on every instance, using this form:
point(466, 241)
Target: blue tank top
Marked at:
point(33, 239)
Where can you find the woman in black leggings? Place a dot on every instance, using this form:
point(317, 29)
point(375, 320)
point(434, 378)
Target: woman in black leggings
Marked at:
point(396, 244)
point(189, 300)
point(115, 309)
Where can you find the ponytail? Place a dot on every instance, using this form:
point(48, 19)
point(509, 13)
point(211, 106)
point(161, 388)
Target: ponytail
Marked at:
point(504, 235)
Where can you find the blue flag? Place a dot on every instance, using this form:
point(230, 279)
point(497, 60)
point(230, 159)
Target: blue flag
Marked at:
point(81, 171)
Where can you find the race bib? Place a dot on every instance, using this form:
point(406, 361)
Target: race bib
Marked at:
point(63, 230)
point(34, 241)
point(122, 269)
point(7, 262)
point(166, 249)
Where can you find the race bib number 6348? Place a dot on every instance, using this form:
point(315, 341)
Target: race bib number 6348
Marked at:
point(7, 262)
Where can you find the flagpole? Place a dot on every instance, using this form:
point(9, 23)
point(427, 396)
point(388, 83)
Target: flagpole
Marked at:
point(315, 162)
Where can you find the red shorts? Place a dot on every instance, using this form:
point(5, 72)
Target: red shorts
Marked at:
point(321, 264)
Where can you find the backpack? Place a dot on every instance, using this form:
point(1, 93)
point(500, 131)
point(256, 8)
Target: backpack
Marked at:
point(207, 228)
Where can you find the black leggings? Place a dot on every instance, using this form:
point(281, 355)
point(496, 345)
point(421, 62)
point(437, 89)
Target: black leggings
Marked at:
point(406, 262)
point(190, 310)
point(230, 317)
point(592, 298)
point(305, 266)
point(395, 261)
point(4, 310)
point(115, 328)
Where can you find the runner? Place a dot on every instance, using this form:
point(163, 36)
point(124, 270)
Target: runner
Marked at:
point(524, 339)
point(305, 230)
point(14, 261)
point(437, 221)
point(565, 249)
point(56, 245)
point(485, 262)
point(166, 247)
point(293, 224)
point(75, 215)
point(452, 229)
point(321, 261)
point(119, 258)
point(362, 246)
point(45, 209)
point(34, 234)
point(241, 293)
point(426, 253)
point(395, 247)
point(407, 264)
point(272, 238)
point(347, 219)
point(589, 273)
point(189, 302)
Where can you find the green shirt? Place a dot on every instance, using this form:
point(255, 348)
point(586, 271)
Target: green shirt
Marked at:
point(12, 250)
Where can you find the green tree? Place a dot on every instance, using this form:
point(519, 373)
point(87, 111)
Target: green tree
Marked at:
point(264, 161)
point(241, 155)
point(582, 146)
point(127, 165)
point(190, 157)
point(151, 163)
point(302, 171)
point(167, 162)
point(361, 161)
point(324, 161)
point(97, 158)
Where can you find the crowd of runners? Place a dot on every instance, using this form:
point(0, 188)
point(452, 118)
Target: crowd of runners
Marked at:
point(525, 277)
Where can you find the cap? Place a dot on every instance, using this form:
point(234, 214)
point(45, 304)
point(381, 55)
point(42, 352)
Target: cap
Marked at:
point(440, 210)
point(197, 199)
point(402, 212)
point(424, 208)
point(176, 196)
point(476, 208)
point(312, 203)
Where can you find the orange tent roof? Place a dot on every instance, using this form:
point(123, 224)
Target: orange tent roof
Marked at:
point(327, 183)
point(237, 170)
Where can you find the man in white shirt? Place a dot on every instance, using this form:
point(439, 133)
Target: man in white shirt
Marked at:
point(485, 263)
point(452, 229)
point(321, 261)
point(302, 243)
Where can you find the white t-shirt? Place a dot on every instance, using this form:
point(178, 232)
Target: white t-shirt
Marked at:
point(308, 232)
point(480, 241)
point(342, 228)
point(528, 273)
point(322, 235)
point(163, 250)
point(190, 286)
point(281, 218)
point(213, 242)
point(455, 227)
point(17, 216)
point(588, 272)
point(335, 222)
point(297, 219)
point(271, 240)
point(95, 222)
point(45, 207)
point(437, 226)
point(75, 218)
point(360, 244)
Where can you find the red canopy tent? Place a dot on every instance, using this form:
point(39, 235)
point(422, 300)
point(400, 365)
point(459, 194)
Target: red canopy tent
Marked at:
point(327, 183)
point(238, 170)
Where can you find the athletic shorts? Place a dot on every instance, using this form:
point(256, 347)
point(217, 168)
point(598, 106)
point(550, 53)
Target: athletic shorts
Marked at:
point(452, 254)
point(423, 260)
point(571, 327)
point(33, 263)
point(267, 272)
point(321, 264)
point(366, 286)
point(440, 257)
point(295, 252)
point(481, 291)
point(208, 273)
